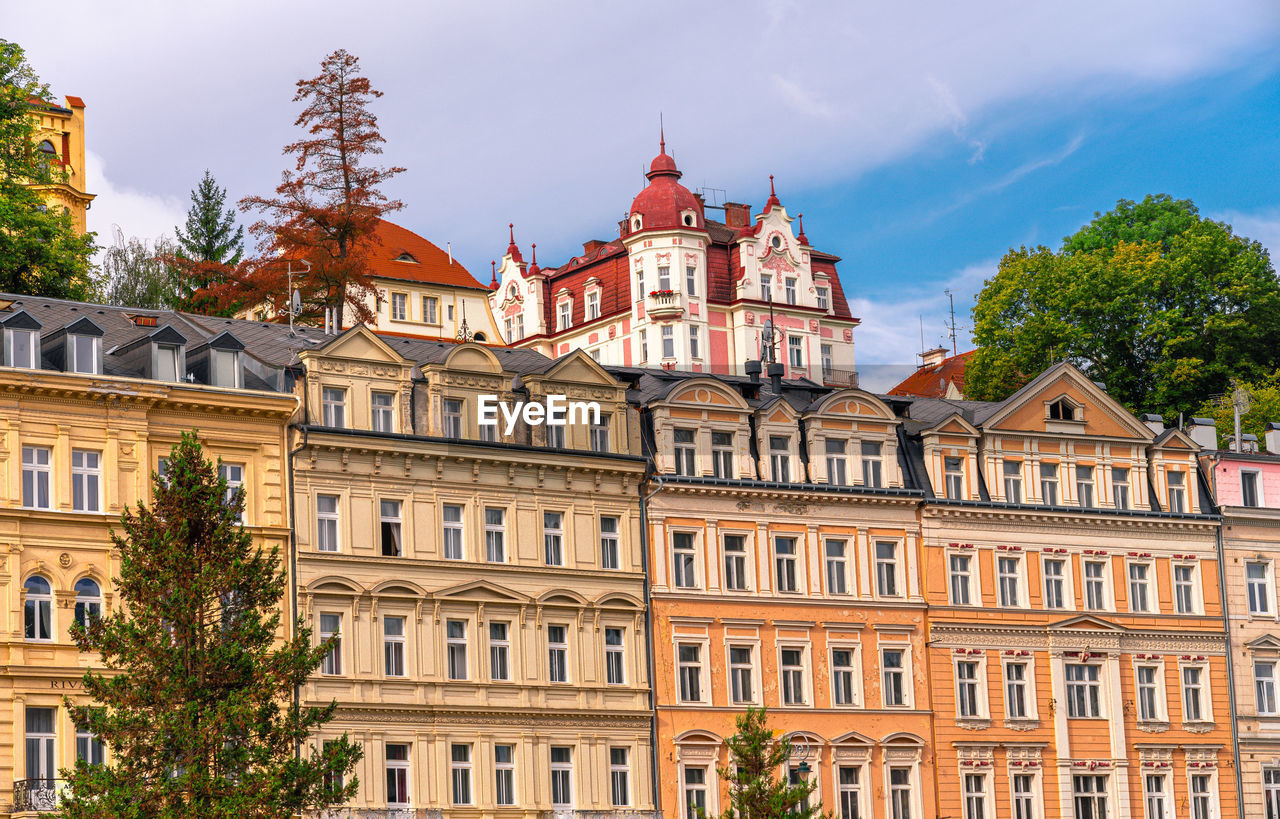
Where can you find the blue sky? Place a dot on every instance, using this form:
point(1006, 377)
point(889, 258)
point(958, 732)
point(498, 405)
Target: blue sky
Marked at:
point(920, 140)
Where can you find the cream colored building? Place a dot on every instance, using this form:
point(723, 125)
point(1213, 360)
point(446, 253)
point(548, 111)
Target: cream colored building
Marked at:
point(60, 141)
point(488, 590)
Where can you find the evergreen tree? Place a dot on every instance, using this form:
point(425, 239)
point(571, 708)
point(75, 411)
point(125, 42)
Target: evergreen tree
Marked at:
point(757, 789)
point(196, 706)
point(211, 234)
point(41, 253)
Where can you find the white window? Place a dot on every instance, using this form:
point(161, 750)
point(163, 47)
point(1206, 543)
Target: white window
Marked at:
point(1023, 793)
point(844, 675)
point(1049, 484)
point(689, 656)
point(609, 556)
point(1193, 701)
point(1155, 796)
point(1271, 791)
point(561, 777)
point(224, 368)
point(451, 531)
point(1149, 685)
point(887, 568)
point(456, 648)
point(685, 451)
point(499, 651)
point(1084, 485)
point(389, 519)
point(233, 474)
point(88, 601)
point(1120, 487)
point(553, 538)
point(1009, 579)
point(668, 341)
point(495, 535)
point(1013, 481)
point(333, 402)
point(563, 313)
point(36, 477)
point(960, 569)
point(86, 480)
point(1177, 491)
point(615, 658)
point(900, 792)
point(38, 609)
point(1258, 580)
point(828, 363)
point(1084, 693)
point(1016, 699)
point(639, 294)
point(1264, 687)
point(644, 346)
point(735, 563)
point(1250, 488)
point(893, 668)
point(695, 792)
point(593, 305)
point(968, 698)
point(1202, 796)
point(558, 654)
point(823, 298)
point(1055, 586)
point(683, 565)
point(789, 285)
point(872, 474)
point(792, 671)
point(691, 280)
point(84, 352)
point(837, 461)
point(1139, 587)
point(382, 411)
point(1095, 585)
point(694, 352)
point(399, 306)
point(504, 775)
point(1184, 588)
point(664, 277)
point(89, 748)
point(555, 435)
point(784, 563)
point(780, 457)
point(795, 351)
point(430, 309)
point(460, 774)
point(850, 783)
point(327, 523)
point(331, 629)
point(599, 434)
point(393, 646)
point(837, 566)
point(766, 287)
point(20, 348)
point(41, 735)
point(953, 475)
point(451, 416)
point(1089, 796)
point(741, 672)
point(397, 769)
point(619, 777)
point(722, 455)
point(975, 796)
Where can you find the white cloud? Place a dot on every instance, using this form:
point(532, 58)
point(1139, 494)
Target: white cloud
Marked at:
point(136, 213)
point(1262, 226)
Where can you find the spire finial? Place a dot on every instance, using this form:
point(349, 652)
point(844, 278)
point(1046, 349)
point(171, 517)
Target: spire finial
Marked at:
point(511, 229)
point(771, 193)
point(535, 252)
point(662, 135)
point(804, 240)
point(493, 278)
point(772, 201)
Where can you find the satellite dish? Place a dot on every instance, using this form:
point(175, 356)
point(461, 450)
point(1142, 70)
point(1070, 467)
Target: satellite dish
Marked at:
point(1240, 400)
point(295, 303)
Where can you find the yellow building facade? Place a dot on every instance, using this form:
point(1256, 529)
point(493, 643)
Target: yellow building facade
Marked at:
point(60, 140)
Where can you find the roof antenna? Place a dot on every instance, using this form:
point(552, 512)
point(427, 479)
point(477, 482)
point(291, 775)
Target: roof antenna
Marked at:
point(951, 328)
point(449, 245)
point(662, 135)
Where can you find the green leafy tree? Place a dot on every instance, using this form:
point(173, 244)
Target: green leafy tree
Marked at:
point(758, 760)
point(1163, 306)
point(136, 275)
point(196, 705)
point(1264, 408)
point(41, 253)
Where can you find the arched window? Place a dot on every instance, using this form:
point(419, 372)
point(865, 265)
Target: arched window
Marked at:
point(88, 601)
point(478, 337)
point(46, 147)
point(1062, 410)
point(38, 609)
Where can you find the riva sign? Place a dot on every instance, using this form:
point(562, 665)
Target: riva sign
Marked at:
point(558, 411)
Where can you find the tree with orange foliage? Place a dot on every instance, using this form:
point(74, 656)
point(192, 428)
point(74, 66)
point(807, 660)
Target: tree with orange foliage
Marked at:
point(324, 212)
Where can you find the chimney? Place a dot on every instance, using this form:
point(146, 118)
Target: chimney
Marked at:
point(1204, 432)
point(1272, 438)
point(591, 246)
point(934, 357)
point(737, 215)
point(753, 370)
point(1154, 422)
point(1249, 442)
point(775, 377)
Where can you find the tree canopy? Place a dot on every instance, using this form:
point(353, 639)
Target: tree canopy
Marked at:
point(1158, 303)
point(134, 274)
point(1264, 408)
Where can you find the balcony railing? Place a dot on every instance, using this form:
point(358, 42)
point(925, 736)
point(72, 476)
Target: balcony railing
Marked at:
point(839, 378)
point(615, 813)
point(37, 795)
point(664, 303)
point(376, 813)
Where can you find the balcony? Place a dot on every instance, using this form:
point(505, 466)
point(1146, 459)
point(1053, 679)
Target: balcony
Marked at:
point(839, 378)
point(664, 304)
point(37, 795)
point(615, 813)
point(376, 813)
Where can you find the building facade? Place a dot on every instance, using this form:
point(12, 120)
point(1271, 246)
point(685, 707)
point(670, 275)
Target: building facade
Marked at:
point(60, 141)
point(677, 290)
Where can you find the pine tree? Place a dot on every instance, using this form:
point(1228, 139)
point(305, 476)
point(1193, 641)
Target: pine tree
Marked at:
point(196, 706)
point(756, 788)
point(211, 234)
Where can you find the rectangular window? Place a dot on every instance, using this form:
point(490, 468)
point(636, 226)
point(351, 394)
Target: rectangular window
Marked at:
point(795, 351)
point(619, 777)
point(766, 287)
point(397, 768)
point(1201, 796)
point(593, 305)
point(823, 298)
point(499, 652)
point(609, 556)
point(691, 280)
point(36, 477)
point(555, 435)
point(1154, 795)
point(887, 569)
point(1249, 494)
point(86, 480)
point(451, 418)
point(850, 782)
point(1084, 485)
point(842, 676)
point(383, 419)
point(690, 661)
point(1089, 797)
point(393, 646)
point(1258, 580)
point(639, 294)
point(735, 562)
point(871, 467)
point(740, 674)
point(1139, 587)
point(695, 793)
point(558, 654)
point(893, 668)
point(399, 306)
point(1177, 491)
point(84, 353)
point(1193, 694)
point(333, 402)
point(1264, 687)
point(900, 788)
point(959, 567)
point(1084, 694)
point(685, 451)
point(1055, 587)
point(504, 775)
point(41, 735)
point(430, 309)
point(784, 563)
point(1015, 691)
point(389, 517)
point(1049, 484)
point(967, 700)
point(664, 277)
point(668, 342)
point(1095, 585)
point(327, 523)
point(1184, 589)
point(20, 347)
point(495, 535)
point(837, 466)
point(1271, 791)
point(599, 430)
point(1013, 481)
point(780, 457)
point(793, 692)
point(790, 286)
point(1023, 792)
point(1008, 579)
point(451, 531)
point(615, 658)
point(1120, 487)
point(683, 573)
point(460, 774)
point(694, 352)
point(553, 538)
point(953, 474)
point(837, 568)
point(519, 326)
point(563, 315)
point(1148, 682)
point(828, 361)
point(975, 796)
point(233, 474)
point(331, 629)
point(224, 368)
point(644, 346)
point(89, 748)
point(456, 648)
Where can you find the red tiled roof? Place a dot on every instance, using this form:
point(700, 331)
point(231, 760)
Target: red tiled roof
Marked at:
point(430, 264)
point(931, 382)
point(75, 102)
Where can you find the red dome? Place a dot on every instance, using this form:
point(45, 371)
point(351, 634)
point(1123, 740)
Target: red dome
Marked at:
point(664, 202)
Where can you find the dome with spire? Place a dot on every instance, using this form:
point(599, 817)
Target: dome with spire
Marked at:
point(665, 203)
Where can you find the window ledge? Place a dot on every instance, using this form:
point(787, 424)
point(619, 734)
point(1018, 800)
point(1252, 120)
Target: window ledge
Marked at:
point(1153, 726)
point(1198, 727)
point(1022, 724)
point(973, 723)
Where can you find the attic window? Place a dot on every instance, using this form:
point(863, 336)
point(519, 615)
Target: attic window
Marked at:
point(688, 219)
point(635, 223)
point(406, 257)
point(1062, 410)
point(776, 241)
point(144, 321)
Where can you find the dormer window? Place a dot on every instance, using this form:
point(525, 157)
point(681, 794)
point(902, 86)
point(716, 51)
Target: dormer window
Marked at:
point(167, 356)
point(405, 257)
point(822, 298)
point(1062, 410)
point(688, 220)
point(593, 305)
point(224, 368)
point(564, 315)
point(635, 223)
point(83, 354)
point(21, 341)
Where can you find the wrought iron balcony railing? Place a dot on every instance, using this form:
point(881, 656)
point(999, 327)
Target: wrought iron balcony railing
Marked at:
point(615, 813)
point(376, 813)
point(38, 795)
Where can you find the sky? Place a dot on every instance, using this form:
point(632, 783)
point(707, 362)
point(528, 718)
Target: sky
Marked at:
point(921, 140)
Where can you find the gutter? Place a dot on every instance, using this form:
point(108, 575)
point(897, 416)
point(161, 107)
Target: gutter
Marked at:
point(293, 541)
point(648, 638)
point(1231, 663)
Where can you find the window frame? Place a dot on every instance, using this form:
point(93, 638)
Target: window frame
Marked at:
point(794, 677)
point(395, 651)
point(1026, 684)
point(1196, 602)
point(333, 407)
point(744, 574)
point(1091, 700)
point(382, 417)
point(832, 571)
point(1156, 687)
point(456, 647)
point(966, 578)
point(903, 672)
point(787, 566)
point(1259, 696)
point(391, 526)
point(333, 659)
point(684, 560)
point(970, 692)
point(896, 575)
point(328, 520)
point(1145, 584)
point(499, 651)
point(682, 666)
point(1011, 586)
point(1203, 700)
point(1267, 584)
point(853, 670)
point(553, 538)
point(610, 542)
point(83, 479)
point(1259, 500)
point(41, 477)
